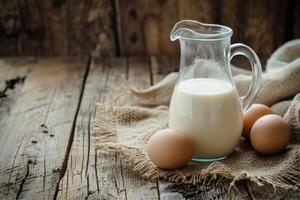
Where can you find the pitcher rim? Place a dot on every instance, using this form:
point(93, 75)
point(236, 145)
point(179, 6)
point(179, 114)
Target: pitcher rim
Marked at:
point(204, 36)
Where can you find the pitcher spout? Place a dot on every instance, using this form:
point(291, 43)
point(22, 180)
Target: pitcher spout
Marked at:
point(181, 29)
point(194, 30)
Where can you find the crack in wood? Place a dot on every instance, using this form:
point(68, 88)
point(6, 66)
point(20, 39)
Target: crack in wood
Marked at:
point(44, 177)
point(158, 192)
point(23, 180)
point(116, 184)
point(96, 172)
point(66, 196)
point(87, 188)
point(14, 159)
point(89, 143)
point(82, 126)
point(65, 162)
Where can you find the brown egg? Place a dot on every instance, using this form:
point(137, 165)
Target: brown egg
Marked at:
point(255, 112)
point(270, 134)
point(170, 149)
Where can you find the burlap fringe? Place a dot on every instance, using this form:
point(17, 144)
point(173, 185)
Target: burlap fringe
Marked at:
point(215, 173)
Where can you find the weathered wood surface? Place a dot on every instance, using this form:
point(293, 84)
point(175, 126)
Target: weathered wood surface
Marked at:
point(36, 120)
point(60, 161)
point(268, 192)
point(262, 24)
point(52, 27)
point(137, 27)
point(93, 173)
point(256, 23)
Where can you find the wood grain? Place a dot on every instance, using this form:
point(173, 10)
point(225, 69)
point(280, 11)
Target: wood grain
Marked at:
point(206, 11)
point(139, 74)
point(268, 192)
point(133, 27)
point(168, 16)
point(92, 173)
point(135, 24)
point(262, 25)
point(151, 33)
point(256, 23)
point(36, 125)
point(95, 173)
point(232, 15)
point(56, 27)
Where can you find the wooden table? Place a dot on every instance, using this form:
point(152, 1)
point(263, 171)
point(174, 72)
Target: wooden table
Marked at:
point(47, 150)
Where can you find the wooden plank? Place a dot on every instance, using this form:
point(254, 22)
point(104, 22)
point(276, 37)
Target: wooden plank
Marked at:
point(133, 22)
point(56, 27)
point(139, 75)
point(296, 20)
point(146, 25)
point(163, 65)
point(139, 71)
point(168, 17)
point(260, 25)
point(178, 191)
point(93, 173)
point(256, 23)
point(151, 33)
point(36, 127)
point(231, 15)
point(206, 11)
point(268, 192)
point(160, 66)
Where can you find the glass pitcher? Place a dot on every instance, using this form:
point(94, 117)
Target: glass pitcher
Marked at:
point(205, 103)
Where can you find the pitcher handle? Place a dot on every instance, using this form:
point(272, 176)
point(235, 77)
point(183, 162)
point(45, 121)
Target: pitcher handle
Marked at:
point(244, 50)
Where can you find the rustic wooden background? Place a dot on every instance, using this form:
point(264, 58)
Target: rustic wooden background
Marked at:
point(137, 27)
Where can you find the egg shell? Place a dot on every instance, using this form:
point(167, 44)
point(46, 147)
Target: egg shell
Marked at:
point(170, 149)
point(270, 134)
point(255, 112)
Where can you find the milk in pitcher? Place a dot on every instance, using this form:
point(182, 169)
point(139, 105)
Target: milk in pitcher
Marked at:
point(210, 111)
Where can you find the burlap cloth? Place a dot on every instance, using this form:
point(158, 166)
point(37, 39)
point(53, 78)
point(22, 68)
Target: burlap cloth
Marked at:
point(127, 129)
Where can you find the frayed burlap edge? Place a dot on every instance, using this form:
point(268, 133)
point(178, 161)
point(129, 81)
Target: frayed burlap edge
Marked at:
point(216, 172)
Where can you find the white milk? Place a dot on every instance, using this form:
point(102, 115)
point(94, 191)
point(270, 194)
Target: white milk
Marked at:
point(210, 111)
